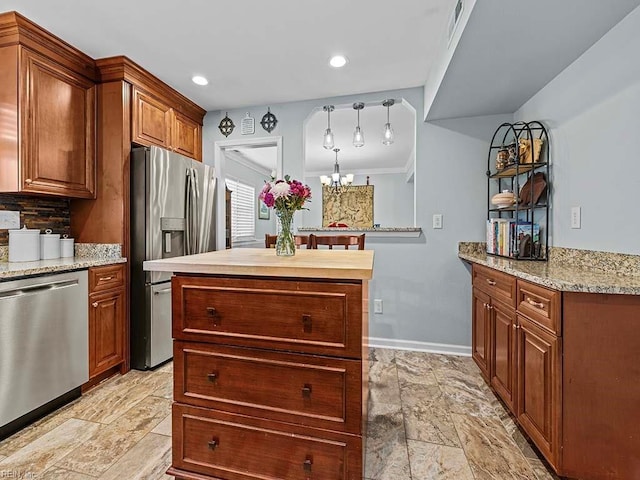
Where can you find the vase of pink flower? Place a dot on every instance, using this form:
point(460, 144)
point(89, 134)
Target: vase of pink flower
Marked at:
point(285, 197)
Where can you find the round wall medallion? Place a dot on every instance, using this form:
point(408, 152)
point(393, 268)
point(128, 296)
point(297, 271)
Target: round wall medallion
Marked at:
point(269, 121)
point(226, 125)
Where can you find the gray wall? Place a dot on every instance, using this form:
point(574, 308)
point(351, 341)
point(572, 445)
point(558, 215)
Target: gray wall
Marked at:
point(425, 288)
point(593, 110)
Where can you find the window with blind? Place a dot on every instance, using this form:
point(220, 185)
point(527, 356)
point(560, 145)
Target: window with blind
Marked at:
point(243, 210)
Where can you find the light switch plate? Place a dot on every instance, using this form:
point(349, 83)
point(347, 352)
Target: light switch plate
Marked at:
point(575, 217)
point(377, 305)
point(437, 220)
point(9, 219)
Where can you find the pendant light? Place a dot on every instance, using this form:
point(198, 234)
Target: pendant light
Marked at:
point(358, 136)
point(328, 134)
point(388, 131)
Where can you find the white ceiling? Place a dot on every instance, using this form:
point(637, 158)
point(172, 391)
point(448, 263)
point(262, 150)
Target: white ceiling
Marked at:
point(255, 52)
point(509, 50)
point(373, 157)
point(266, 158)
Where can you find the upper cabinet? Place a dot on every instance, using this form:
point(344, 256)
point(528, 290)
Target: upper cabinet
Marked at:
point(154, 122)
point(159, 115)
point(48, 114)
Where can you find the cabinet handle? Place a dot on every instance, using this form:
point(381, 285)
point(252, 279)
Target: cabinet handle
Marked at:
point(94, 304)
point(104, 279)
point(213, 444)
point(212, 377)
point(28, 181)
point(491, 282)
point(308, 463)
point(306, 323)
point(306, 390)
point(535, 304)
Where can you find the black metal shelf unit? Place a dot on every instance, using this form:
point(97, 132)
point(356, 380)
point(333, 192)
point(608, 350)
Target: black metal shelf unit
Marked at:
point(518, 161)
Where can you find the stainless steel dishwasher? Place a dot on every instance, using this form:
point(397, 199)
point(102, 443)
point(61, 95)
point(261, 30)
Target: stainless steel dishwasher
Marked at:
point(44, 344)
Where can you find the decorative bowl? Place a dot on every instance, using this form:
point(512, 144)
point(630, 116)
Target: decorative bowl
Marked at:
point(504, 199)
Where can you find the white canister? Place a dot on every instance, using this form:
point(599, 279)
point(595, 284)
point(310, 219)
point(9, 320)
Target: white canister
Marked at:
point(66, 247)
point(24, 245)
point(49, 245)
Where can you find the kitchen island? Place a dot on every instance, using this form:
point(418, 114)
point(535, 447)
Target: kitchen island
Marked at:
point(270, 369)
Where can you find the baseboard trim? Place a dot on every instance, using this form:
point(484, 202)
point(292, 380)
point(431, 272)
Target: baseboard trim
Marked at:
point(444, 348)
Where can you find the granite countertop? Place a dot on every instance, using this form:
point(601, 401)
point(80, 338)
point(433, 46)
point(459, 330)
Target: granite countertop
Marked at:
point(561, 274)
point(334, 264)
point(87, 255)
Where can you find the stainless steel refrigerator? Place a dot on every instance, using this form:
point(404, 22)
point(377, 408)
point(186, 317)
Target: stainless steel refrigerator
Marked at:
point(172, 214)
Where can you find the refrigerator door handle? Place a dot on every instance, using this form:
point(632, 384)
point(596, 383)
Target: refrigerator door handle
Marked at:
point(188, 213)
point(195, 217)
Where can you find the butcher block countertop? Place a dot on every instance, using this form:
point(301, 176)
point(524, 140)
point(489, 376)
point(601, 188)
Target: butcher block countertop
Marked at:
point(334, 264)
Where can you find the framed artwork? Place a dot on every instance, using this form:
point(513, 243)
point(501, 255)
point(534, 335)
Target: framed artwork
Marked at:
point(353, 206)
point(263, 211)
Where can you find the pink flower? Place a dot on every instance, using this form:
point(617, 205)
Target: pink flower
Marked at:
point(269, 200)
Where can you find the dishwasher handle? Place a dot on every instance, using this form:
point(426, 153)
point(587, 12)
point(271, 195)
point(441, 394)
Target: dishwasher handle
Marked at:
point(19, 292)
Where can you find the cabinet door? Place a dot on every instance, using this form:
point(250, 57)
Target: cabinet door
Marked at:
point(58, 129)
point(151, 122)
point(503, 351)
point(481, 330)
point(106, 331)
point(186, 136)
point(539, 383)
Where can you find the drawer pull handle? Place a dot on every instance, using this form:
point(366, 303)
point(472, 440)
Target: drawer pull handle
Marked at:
point(104, 279)
point(535, 304)
point(491, 282)
point(212, 311)
point(306, 390)
point(212, 377)
point(213, 444)
point(306, 323)
point(94, 304)
point(308, 463)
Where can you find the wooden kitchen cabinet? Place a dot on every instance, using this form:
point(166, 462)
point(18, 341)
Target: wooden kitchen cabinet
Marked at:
point(107, 318)
point(481, 331)
point(539, 387)
point(151, 123)
point(259, 395)
point(48, 115)
point(155, 122)
point(503, 352)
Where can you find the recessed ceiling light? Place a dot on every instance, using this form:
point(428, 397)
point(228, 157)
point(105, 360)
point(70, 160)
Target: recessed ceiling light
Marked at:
point(338, 61)
point(199, 80)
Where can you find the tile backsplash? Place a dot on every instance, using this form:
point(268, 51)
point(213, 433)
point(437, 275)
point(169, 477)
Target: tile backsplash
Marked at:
point(37, 212)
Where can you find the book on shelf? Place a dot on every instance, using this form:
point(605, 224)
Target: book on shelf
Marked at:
point(504, 236)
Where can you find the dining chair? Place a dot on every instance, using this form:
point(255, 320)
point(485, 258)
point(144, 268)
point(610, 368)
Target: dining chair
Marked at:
point(300, 240)
point(336, 240)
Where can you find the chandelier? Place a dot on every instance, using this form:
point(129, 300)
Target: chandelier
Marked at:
point(337, 182)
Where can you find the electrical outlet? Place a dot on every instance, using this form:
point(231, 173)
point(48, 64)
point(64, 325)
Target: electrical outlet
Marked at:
point(575, 217)
point(9, 219)
point(437, 220)
point(377, 306)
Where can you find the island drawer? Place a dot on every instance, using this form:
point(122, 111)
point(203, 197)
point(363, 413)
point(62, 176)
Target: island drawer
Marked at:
point(302, 316)
point(235, 447)
point(316, 391)
point(498, 285)
point(541, 305)
point(106, 277)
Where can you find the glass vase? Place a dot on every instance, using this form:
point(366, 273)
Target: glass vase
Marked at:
point(285, 244)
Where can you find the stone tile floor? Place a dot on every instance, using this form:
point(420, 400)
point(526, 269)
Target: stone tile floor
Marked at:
point(430, 417)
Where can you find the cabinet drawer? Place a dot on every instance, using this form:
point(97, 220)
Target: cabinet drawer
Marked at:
point(540, 305)
point(497, 284)
point(106, 278)
point(243, 448)
point(301, 316)
point(308, 390)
